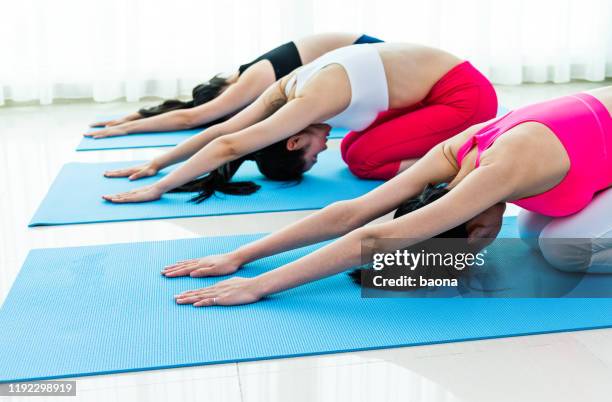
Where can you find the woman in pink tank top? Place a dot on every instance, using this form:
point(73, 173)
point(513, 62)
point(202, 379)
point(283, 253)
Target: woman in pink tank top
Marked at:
point(552, 158)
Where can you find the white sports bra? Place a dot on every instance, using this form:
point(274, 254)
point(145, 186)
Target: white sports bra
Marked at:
point(366, 74)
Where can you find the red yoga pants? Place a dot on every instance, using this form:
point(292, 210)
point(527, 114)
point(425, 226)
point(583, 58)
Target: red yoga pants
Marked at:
point(460, 99)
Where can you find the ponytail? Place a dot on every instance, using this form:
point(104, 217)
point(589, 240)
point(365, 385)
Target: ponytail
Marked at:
point(201, 94)
point(219, 180)
point(275, 162)
point(167, 106)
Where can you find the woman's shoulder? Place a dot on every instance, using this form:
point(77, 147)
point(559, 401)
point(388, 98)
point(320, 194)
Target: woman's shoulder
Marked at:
point(455, 143)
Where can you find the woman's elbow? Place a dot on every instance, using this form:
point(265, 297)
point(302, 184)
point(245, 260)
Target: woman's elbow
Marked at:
point(346, 214)
point(367, 236)
point(185, 119)
point(226, 148)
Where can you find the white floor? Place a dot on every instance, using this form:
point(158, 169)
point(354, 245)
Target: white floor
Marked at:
point(36, 141)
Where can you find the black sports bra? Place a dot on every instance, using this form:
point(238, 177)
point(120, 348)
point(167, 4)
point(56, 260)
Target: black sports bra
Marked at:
point(284, 59)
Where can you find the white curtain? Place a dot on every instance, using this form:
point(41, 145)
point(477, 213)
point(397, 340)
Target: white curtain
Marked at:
point(110, 49)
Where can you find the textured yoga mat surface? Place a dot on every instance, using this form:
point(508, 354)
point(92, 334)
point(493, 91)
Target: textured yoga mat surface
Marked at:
point(168, 138)
point(75, 195)
point(140, 140)
point(155, 139)
point(106, 309)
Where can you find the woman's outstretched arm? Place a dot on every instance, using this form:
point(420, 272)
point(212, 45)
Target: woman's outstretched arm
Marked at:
point(252, 114)
point(249, 86)
point(116, 122)
point(288, 120)
point(331, 222)
point(483, 188)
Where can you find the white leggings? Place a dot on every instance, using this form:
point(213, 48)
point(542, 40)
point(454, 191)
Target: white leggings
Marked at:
point(577, 243)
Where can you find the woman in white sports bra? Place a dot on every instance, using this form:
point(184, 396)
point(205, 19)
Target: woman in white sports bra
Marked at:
point(362, 88)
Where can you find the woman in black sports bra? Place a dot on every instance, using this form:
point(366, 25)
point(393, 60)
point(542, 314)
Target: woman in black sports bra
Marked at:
point(220, 97)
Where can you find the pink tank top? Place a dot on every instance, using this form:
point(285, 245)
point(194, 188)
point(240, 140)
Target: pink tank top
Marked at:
point(584, 127)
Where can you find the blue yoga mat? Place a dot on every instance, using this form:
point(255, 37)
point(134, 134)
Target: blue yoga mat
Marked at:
point(168, 138)
point(140, 140)
point(75, 195)
point(106, 309)
point(154, 139)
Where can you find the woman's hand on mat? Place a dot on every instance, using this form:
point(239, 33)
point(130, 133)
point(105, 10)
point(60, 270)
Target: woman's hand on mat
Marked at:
point(116, 122)
point(229, 292)
point(143, 194)
point(212, 265)
point(134, 173)
point(106, 132)
point(107, 123)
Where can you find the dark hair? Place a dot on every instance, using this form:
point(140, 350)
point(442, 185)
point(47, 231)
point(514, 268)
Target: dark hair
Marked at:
point(430, 194)
point(275, 162)
point(201, 94)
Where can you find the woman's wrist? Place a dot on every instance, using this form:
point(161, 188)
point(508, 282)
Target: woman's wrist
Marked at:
point(157, 164)
point(162, 186)
point(262, 286)
point(127, 127)
point(241, 256)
